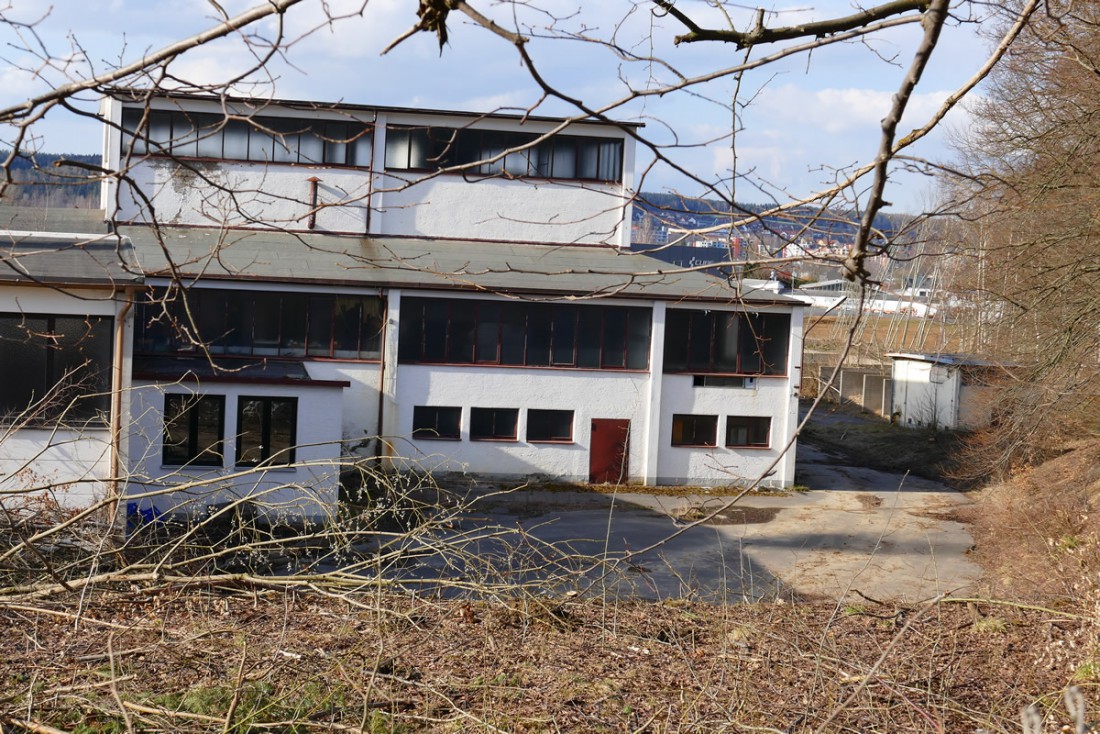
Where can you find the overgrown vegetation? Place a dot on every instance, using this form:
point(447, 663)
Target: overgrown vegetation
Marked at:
point(1026, 237)
point(212, 659)
point(867, 440)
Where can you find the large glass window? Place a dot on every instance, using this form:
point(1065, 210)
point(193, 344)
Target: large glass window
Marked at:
point(726, 342)
point(261, 138)
point(267, 430)
point(432, 421)
point(748, 431)
point(55, 368)
point(193, 430)
point(500, 152)
point(252, 323)
point(694, 430)
point(454, 331)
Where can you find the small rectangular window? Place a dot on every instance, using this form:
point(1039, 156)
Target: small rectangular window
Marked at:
point(267, 430)
point(719, 381)
point(748, 431)
point(550, 425)
point(493, 424)
point(694, 430)
point(435, 422)
point(193, 429)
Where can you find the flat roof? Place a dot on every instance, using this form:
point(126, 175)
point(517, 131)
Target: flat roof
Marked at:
point(538, 270)
point(249, 370)
point(65, 257)
point(961, 360)
point(137, 95)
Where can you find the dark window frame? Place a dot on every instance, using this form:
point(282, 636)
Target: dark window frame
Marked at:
point(433, 422)
point(545, 422)
point(447, 147)
point(754, 426)
point(203, 135)
point(307, 325)
point(268, 454)
point(723, 381)
point(503, 424)
point(81, 392)
point(695, 430)
point(508, 334)
point(193, 454)
point(694, 343)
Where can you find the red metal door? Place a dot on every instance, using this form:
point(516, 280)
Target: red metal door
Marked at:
point(609, 451)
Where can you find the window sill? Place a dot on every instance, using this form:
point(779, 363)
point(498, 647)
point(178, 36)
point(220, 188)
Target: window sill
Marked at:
point(756, 375)
point(47, 425)
point(694, 446)
point(188, 467)
point(208, 159)
point(497, 365)
point(469, 174)
point(496, 440)
point(555, 441)
point(280, 469)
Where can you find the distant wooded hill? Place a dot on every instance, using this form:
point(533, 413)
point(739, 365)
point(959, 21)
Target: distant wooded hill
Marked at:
point(39, 180)
point(682, 212)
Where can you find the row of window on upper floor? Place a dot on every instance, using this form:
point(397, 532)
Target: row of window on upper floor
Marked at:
point(259, 324)
point(459, 331)
point(348, 143)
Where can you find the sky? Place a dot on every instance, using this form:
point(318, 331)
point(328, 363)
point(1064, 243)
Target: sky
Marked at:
point(801, 122)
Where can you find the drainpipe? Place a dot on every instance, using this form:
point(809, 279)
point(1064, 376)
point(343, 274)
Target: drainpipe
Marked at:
point(313, 181)
point(381, 444)
point(116, 397)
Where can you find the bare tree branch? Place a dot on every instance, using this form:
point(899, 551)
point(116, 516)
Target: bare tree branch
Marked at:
point(760, 35)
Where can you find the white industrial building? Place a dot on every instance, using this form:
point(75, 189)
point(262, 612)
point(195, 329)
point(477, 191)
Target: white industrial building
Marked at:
point(299, 285)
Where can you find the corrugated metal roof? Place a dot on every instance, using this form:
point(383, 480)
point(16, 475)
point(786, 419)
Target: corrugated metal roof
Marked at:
point(63, 247)
point(575, 271)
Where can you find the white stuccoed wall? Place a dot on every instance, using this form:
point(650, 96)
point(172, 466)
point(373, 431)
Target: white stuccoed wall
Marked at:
point(69, 466)
point(590, 394)
point(309, 489)
point(721, 465)
point(496, 209)
point(359, 401)
point(447, 206)
point(236, 193)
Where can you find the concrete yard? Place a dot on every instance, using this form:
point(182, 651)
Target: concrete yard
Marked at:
point(854, 530)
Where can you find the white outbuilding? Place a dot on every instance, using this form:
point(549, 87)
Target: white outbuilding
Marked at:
point(947, 391)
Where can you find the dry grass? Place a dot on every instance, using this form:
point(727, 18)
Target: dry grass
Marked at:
point(213, 659)
point(1038, 534)
point(868, 441)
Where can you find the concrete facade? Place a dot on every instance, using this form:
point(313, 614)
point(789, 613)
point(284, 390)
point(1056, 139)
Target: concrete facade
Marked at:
point(307, 237)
